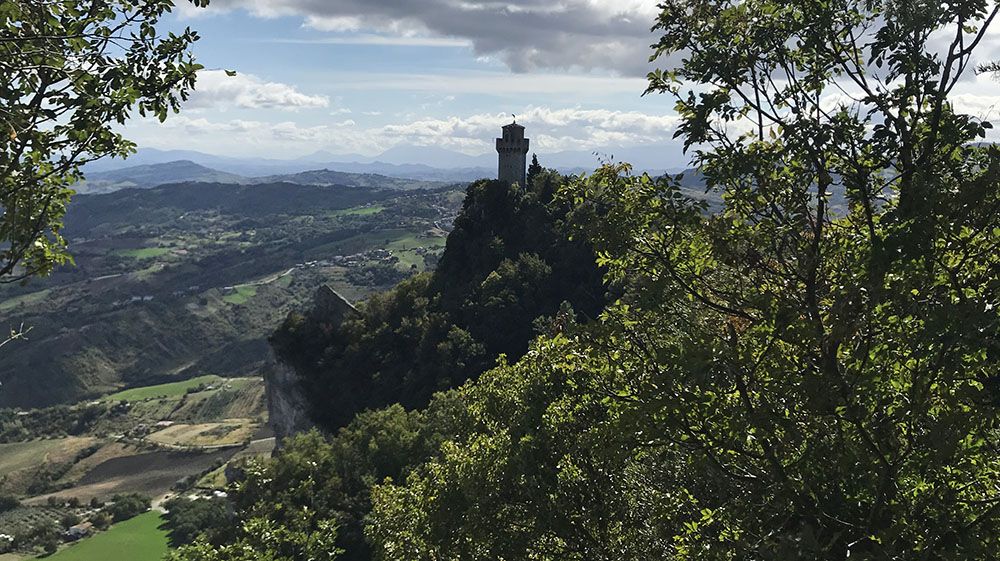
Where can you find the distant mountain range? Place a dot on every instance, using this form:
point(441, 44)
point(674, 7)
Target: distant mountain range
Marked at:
point(428, 163)
point(147, 176)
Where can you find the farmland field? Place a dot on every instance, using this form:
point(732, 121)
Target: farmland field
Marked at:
point(22, 462)
point(145, 253)
point(138, 539)
point(241, 295)
point(359, 211)
point(228, 398)
point(228, 433)
point(151, 474)
point(23, 455)
point(174, 389)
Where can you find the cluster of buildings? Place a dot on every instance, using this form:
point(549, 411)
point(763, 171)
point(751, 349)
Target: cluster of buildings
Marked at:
point(132, 300)
point(355, 260)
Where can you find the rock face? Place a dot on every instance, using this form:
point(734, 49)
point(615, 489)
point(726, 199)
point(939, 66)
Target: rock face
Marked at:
point(331, 307)
point(286, 404)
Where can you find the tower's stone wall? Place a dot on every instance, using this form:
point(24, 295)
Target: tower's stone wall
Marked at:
point(513, 150)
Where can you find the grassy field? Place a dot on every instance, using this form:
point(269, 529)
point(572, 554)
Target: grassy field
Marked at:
point(21, 461)
point(173, 389)
point(359, 211)
point(144, 253)
point(241, 296)
point(138, 539)
point(405, 249)
point(22, 455)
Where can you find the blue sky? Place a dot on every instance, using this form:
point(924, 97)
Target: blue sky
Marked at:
point(363, 76)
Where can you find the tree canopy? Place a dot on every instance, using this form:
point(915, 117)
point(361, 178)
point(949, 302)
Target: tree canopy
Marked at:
point(72, 72)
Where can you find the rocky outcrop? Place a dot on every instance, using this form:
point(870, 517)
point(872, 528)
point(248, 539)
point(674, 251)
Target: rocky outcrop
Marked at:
point(286, 404)
point(330, 307)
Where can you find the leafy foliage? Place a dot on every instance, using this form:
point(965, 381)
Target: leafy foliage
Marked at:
point(186, 519)
point(125, 506)
point(315, 495)
point(8, 502)
point(72, 71)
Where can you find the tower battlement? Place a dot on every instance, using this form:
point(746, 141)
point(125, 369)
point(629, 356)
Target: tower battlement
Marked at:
point(513, 150)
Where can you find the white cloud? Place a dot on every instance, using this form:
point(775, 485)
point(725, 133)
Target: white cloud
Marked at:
point(551, 129)
point(527, 35)
point(592, 124)
point(218, 90)
point(490, 83)
point(381, 40)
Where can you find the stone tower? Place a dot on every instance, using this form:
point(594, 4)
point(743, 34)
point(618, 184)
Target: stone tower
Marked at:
point(513, 149)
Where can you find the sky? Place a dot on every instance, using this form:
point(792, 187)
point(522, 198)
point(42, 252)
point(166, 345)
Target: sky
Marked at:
point(358, 77)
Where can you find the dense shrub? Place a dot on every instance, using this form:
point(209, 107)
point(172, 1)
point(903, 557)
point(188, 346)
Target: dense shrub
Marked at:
point(123, 507)
point(8, 502)
point(186, 519)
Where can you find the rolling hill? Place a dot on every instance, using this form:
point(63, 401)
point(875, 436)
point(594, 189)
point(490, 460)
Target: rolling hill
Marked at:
point(151, 175)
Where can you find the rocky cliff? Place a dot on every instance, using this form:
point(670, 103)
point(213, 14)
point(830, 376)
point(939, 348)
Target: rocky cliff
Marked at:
point(286, 404)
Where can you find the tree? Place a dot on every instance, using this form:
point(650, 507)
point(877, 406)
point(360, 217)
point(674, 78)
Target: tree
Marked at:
point(8, 502)
point(100, 520)
point(543, 470)
point(186, 519)
point(533, 170)
point(810, 373)
point(129, 505)
point(49, 543)
point(72, 70)
point(69, 519)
